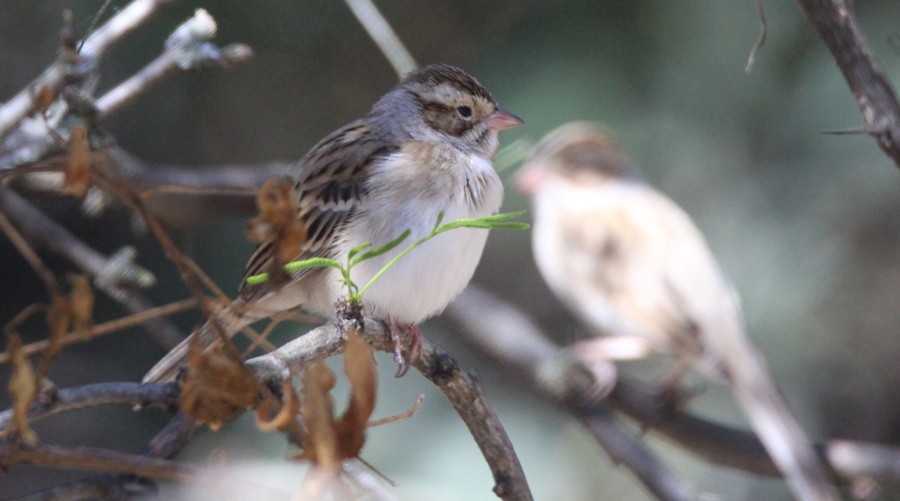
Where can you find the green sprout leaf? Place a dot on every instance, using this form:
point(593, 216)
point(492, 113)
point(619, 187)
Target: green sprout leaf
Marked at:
point(487, 222)
point(381, 250)
point(313, 262)
point(356, 254)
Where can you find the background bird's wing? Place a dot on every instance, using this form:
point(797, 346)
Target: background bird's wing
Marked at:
point(330, 187)
point(639, 252)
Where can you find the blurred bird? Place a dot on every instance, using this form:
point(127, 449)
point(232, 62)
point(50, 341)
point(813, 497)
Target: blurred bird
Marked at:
point(631, 265)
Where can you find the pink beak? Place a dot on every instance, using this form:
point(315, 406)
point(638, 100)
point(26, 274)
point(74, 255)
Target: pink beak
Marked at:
point(501, 119)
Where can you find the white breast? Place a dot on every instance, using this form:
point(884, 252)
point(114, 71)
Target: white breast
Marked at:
point(406, 192)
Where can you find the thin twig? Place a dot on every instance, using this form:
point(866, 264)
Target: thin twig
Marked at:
point(754, 52)
point(187, 48)
point(46, 232)
point(399, 417)
point(836, 23)
point(381, 32)
point(193, 276)
point(124, 22)
point(196, 190)
point(104, 460)
point(25, 250)
point(164, 396)
point(105, 328)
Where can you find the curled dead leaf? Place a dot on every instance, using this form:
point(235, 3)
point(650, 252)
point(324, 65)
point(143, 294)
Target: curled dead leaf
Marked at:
point(217, 388)
point(78, 163)
point(320, 440)
point(362, 375)
point(277, 222)
point(81, 305)
point(23, 389)
point(329, 441)
point(285, 410)
point(43, 98)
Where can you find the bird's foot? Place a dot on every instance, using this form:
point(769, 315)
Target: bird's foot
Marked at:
point(415, 345)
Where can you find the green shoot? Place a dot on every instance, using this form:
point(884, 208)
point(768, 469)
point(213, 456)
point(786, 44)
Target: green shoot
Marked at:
point(357, 254)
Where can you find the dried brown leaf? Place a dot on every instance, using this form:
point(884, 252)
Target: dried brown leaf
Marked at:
point(23, 389)
point(277, 221)
point(81, 305)
point(59, 317)
point(217, 388)
point(317, 409)
point(362, 375)
point(77, 169)
point(43, 98)
point(285, 411)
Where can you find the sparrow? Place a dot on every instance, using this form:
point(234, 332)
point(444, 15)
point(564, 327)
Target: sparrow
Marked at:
point(424, 149)
point(632, 266)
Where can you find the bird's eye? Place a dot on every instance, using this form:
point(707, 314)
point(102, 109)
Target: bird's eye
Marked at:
point(464, 111)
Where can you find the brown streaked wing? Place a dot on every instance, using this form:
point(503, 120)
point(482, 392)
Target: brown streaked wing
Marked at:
point(330, 186)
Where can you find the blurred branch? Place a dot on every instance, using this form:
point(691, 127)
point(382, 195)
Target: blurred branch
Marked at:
point(104, 460)
point(103, 329)
point(438, 367)
point(836, 23)
point(754, 52)
point(509, 336)
point(93, 395)
point(186, 196)
point(109, 486)
point(187, 48)
point(124, 22)
point(45, 232)
point(383, 35)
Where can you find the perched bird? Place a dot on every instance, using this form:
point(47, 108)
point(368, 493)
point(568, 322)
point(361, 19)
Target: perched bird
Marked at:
point(631, 265)
point(424, 148)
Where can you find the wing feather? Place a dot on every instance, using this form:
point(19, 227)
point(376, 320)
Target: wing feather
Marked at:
point(331, 184)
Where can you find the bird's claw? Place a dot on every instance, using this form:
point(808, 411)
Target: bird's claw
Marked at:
point(415, 346)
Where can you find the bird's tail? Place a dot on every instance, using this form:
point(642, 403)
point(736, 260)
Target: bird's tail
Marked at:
point(770, 416)
point(228, 321)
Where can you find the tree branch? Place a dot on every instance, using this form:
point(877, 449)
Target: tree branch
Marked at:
point(506, 334)
point(57, 401)
point(836, 23)
point(512, 338)
point(124, 22)
point(438, 367)
point(103, 460)
point(107, 273)
point(187, 48)
point(383, 35)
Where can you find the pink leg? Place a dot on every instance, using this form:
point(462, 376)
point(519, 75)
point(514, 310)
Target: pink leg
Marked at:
point(415, 345)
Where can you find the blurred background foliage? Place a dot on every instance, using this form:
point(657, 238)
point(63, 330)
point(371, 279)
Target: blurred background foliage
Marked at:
point(803, 222)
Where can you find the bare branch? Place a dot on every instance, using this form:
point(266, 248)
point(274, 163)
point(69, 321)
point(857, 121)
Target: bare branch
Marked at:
point(437, 366)
point(187, 48)
point(105, 328)
point(836, 24)
point(505, 333)
point(132, 16)
point(514, 340)
point(754, 52)
point(383, 35)
point(45, 232)
point(103, 460)
point(134, 394)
